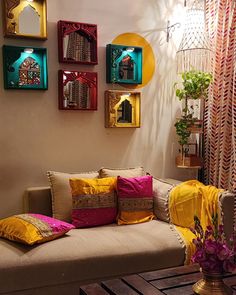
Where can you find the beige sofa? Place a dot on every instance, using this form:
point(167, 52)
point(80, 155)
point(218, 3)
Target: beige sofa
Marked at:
point(93, 254)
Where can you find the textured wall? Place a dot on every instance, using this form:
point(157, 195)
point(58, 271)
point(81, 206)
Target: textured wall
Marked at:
point(35, 136)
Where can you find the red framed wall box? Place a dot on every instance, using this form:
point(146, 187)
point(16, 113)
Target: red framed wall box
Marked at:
point(77, 43)
point(77, 90)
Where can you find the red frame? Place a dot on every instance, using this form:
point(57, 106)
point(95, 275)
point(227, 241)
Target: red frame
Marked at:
point(88, 78)
point(67, 27)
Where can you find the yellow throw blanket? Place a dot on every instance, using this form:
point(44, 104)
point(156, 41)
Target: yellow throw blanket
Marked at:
point(188, 199)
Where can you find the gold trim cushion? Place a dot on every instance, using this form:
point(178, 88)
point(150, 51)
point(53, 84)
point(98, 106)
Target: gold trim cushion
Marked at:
point(123, 172)
point(135, 199)
point(94, 201)
point(32, 228)
point(61, 192)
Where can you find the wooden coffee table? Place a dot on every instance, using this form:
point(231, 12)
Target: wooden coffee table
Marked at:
point(172, 281)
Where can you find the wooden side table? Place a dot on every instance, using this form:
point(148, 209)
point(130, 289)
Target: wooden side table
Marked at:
point(172, 281)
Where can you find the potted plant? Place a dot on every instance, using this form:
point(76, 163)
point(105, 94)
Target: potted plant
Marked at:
point(194, 86)
point(214, 255)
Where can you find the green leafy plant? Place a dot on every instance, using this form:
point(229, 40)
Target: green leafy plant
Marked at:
point(194, 85)
point(182, 130)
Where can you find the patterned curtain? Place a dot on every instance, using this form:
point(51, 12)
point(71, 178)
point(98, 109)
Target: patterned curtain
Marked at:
point(220, 107)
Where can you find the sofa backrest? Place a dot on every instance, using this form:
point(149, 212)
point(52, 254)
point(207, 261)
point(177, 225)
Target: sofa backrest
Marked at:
point(38, 200)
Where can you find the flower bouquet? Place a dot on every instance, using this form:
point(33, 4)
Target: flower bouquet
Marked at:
point(214, 255)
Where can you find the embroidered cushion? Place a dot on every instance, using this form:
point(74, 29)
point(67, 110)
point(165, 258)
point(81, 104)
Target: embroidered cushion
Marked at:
point(61, 192)
point(32, 228)
point(135, 199)
point(124, 172)
point(94, 201)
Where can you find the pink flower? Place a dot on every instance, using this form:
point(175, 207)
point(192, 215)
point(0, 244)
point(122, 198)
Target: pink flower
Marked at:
point(221, 229)
point(215, 265)
point(213, 253)
point(199, 256)
point(223, 252)
point(210, 246)
point(209, 229)
point(197, 242)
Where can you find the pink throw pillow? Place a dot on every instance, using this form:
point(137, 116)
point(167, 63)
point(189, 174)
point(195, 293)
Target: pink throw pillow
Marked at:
point(135, 199)
point(94, 201)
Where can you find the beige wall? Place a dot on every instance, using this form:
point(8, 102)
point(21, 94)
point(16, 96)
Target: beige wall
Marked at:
point(35, 136)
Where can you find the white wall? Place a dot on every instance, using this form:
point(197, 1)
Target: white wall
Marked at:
point(35, 136)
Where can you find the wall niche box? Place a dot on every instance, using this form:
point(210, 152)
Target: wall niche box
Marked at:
point(25, 19)
point(123, 64)
point(77, 90)
point(122, 109)
point(25, 67)
point(77, 42)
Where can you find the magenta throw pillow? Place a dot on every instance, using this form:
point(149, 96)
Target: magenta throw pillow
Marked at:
point(135, 199)
point(94, 201)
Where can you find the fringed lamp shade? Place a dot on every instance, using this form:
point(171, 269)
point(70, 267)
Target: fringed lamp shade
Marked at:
point(194, 50)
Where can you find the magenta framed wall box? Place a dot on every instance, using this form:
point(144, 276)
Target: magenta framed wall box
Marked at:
point(77, 90)
point(77, 43)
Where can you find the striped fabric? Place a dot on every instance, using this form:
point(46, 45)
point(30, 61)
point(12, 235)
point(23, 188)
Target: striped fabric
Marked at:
point(220, 107)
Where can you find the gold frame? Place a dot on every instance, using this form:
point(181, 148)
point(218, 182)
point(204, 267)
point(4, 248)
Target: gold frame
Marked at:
point(11, 12)
point(113, 99)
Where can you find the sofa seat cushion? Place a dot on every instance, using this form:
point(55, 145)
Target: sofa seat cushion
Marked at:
point(89, 254)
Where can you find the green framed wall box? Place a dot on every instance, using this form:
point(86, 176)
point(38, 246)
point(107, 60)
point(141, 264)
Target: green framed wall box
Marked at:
point(123, 64)
point(25, 67)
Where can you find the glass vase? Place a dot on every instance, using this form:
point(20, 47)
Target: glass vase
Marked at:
point(211, 283)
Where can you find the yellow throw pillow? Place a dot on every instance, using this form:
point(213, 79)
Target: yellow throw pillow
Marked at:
point(32, 228)
point(61, 192)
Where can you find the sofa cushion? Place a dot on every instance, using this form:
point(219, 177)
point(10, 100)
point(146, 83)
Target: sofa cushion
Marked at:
point(61, 192)
point(32, 228)
point(161, 191)
point(124, 172)
point(94, 201)
point(228, 210)
point(89, 254)
point(135, 199)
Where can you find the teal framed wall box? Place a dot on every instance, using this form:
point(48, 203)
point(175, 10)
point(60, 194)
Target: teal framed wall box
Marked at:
point(25, 67)
point(123, 64)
